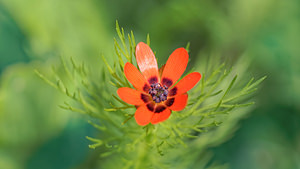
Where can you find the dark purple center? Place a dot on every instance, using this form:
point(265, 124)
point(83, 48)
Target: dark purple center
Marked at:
point(159, 93)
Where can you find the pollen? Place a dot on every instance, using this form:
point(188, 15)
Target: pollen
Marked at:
point(158, 92)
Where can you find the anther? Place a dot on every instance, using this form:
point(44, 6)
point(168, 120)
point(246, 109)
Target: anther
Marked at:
point(159, 93)
point(157, 100)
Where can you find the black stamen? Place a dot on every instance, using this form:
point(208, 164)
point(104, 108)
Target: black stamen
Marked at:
point(158, 92)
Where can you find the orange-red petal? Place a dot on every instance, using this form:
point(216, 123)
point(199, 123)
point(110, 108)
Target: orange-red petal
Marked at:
point(185, 84)
point(147, 62)
point(177, 103)
point(130, 96)
point(135, 77)
point(143, 115)
point(175, 67)
point(160, 117)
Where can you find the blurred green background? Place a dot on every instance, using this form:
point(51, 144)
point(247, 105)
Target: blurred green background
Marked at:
point(35, 133)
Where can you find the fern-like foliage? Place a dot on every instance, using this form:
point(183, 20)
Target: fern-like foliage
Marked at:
point(179, 141)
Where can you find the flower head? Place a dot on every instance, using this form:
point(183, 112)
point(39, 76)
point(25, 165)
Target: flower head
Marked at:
point(155, 94)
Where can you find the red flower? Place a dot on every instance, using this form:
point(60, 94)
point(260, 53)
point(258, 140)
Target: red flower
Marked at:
point(155, 95)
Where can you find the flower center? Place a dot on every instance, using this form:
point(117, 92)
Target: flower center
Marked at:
point(159, 93)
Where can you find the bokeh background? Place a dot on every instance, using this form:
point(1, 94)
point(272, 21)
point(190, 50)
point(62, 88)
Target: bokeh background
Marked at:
point(35, 133)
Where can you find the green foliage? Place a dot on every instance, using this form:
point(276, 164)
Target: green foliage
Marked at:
point(218, 94)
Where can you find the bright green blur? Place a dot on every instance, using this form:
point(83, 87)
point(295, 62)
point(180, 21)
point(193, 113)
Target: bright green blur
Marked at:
point(35, 133)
